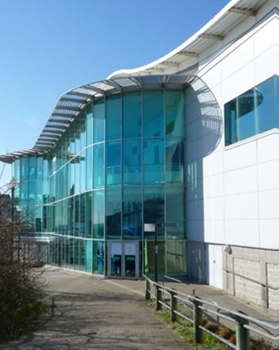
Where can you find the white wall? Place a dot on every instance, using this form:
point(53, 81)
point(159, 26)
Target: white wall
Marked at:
point(233, 192)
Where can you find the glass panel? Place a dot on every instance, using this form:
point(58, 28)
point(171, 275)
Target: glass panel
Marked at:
point(89, 168)
point(83, 171)
point(245, 121)
point(82, 215)
point(113, 117)
point(132, 213)
point(98, 257)
point(116, 265)
point(98, 168)
point(153, 113)
point(175, 212)
point(174, 161)
point(132, 170)
point(82, 120)
point(99, 120)
point(76, 217)
point(154, 209)
point(130, 266)
point(113, 213)
point(88, 254)
point(176, 258)
point(113, 161)
point(89, 214)
point(153, 152)
point(266, 100)
point(174, 110)
point(98, 214)
point(131, 115)
point(89, 125)
point(149, 262)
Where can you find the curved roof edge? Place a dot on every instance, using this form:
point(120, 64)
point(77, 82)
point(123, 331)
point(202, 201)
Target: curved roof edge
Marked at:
point(71, 104)
point(189, 52)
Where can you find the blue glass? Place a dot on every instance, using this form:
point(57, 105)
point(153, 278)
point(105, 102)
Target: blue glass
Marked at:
point(153, 113)
point(89, 124)
point(98, 257)
point(98, 214)
point(153, 154)
point(82, 130)
point(132, 115)
point(89, 215)
point(174, 161)
point(88, 254)
point(82, 215)
point(132, 213)
point(83, 174)
point(175, 212)
point(99, 120)
point(132, 169)
point(76, 216)
point(113, 213)
point(89, 168)
point(174, 113)
point(113, 161)
point(98, 167)
point(154, 209)
point(253, 112)
point(113, 117)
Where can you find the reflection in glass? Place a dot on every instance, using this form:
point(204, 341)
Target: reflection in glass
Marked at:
point(153, 207)
point(113, 117)
point(99, 120)
point(98, 168)
point(132, 114)
point(132, 213)
point(132, 170)
point(153, 154)
point(113, 213)
point(253, 112)
point(153, 113)
point(98, 214)
point(174, 161)
point(113, 161)
point(174, 111)
point(98, 257)
point(175, 212)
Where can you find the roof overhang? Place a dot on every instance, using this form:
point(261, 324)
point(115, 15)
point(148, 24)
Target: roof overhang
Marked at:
point(188, 55)
point(71, 104)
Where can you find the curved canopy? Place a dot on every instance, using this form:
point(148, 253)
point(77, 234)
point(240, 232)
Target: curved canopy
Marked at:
point(72, 103)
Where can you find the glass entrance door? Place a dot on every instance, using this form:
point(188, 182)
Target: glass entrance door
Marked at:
point(123, 259)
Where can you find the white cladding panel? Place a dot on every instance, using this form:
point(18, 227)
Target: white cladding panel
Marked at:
point(236, 194)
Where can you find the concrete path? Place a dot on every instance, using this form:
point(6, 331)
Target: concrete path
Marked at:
point(98, 314)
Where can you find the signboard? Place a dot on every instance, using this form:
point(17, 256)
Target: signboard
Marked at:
point(168, 224)
point(149, 228)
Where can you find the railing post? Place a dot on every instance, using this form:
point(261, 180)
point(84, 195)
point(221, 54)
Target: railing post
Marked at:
point(197, 315)
point(147, 289)
point(242, 334)
point(158, 297)
point(173, 305)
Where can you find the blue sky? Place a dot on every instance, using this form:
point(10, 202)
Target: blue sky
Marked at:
point(51, 46)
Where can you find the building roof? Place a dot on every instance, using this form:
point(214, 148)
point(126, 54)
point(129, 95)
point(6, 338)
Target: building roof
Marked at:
point(188, 54)
point(70, 105)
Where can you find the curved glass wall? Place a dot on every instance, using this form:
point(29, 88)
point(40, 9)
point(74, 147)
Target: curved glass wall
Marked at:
point(253, 112)
point(118, 166)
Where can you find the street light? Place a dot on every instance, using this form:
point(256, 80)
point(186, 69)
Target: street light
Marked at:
point(12, 185)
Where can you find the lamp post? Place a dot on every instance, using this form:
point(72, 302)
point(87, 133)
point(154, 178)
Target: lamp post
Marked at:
point(12, 185)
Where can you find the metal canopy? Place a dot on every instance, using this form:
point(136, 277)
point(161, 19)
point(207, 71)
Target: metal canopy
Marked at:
point(70, 105)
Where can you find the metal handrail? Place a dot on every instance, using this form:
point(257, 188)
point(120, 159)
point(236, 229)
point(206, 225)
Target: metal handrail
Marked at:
point(240, 319)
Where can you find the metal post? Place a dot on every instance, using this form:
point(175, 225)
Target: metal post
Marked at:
point(197, 314)
point(242, 334)
point(156, 253)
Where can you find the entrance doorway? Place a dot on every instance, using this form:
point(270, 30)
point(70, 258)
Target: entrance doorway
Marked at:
point(123, 259)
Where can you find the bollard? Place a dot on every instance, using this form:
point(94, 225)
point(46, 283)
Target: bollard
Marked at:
point(147, 289)
point(173, 305)
point(242, 333)
point(197, 315)
point(158, 297)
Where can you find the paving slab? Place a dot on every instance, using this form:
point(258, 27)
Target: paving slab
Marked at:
point(93, 313)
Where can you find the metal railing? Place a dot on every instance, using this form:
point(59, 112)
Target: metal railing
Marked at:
point(181, 305)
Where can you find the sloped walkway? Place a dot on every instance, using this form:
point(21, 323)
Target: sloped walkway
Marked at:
point(95, 313)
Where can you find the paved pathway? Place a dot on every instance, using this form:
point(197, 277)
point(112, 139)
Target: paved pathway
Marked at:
point(98, 314)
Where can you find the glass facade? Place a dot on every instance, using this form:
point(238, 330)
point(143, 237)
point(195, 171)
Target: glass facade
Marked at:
point(119, 165)
point(253, 112)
